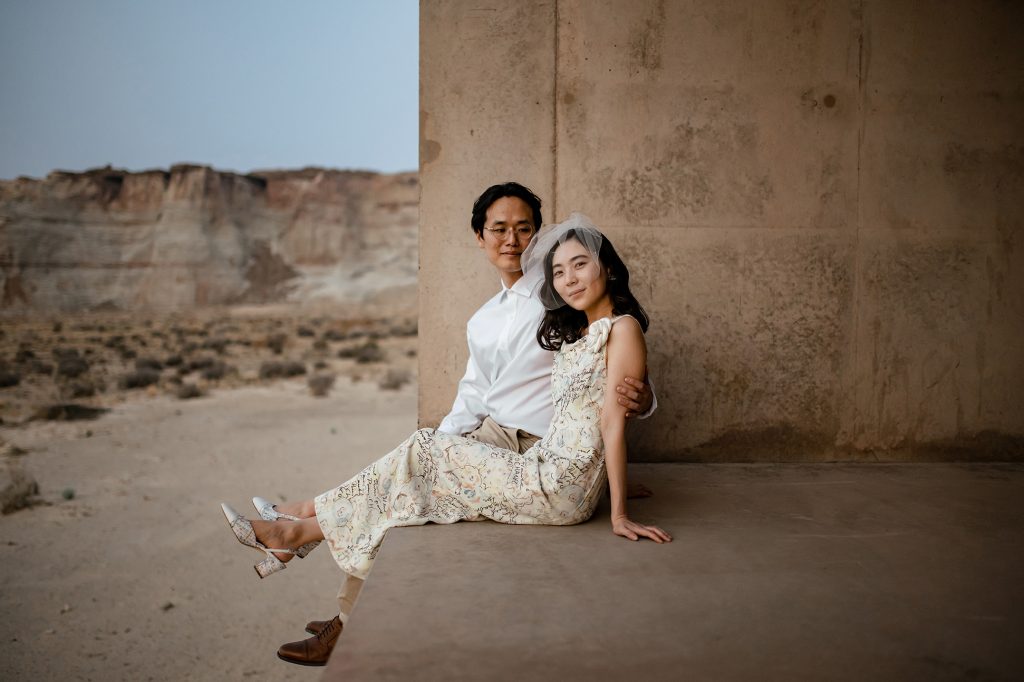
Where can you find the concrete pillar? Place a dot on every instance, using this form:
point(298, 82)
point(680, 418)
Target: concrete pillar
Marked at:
point(820, 204)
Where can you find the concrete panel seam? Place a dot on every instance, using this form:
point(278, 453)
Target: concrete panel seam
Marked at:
point(554, 126)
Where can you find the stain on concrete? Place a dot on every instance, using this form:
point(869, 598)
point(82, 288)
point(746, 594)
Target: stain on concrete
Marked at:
point(982, 446)
point(744, 332)
point(789, 443)
point(430, 150)
point(645, 42)
point(1005, 162)
point(644, 194)
point(820, 100)
point(775, 443)
point(934, 361)
point(686, 170)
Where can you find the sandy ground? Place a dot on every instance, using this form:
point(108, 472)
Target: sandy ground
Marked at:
point(138, 577)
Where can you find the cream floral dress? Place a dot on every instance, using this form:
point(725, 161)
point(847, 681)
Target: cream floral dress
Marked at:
point(436, 477)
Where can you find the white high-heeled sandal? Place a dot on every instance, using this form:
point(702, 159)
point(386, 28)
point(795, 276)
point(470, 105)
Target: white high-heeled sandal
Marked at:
point(242, 529)
point(268, 513)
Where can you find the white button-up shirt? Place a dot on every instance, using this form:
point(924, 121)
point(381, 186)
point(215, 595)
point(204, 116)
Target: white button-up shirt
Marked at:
point(508, 375)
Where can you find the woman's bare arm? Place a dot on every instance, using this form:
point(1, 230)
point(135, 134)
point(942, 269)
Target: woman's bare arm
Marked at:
point(626, 356)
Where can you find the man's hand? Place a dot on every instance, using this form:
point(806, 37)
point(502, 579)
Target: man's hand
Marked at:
point(635, 396)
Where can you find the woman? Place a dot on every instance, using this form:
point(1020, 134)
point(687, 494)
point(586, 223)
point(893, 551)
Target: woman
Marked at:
point(597, 326)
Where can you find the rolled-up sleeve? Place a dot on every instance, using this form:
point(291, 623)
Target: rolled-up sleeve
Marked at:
point(467, 411)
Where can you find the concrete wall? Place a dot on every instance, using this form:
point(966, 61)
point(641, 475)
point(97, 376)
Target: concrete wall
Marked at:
point(820, 202)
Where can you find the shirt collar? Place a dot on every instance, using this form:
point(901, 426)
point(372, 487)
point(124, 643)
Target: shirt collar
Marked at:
point(524, 286)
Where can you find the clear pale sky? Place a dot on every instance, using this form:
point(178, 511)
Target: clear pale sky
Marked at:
point(235, 84)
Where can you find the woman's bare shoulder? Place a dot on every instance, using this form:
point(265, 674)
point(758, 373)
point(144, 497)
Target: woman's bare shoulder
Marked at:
point(626, 332)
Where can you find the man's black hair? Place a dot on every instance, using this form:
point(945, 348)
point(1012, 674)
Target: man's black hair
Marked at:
point(495, 192)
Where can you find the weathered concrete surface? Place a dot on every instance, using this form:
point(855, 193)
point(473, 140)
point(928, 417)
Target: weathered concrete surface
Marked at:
point(776, 572)
point(821, 203)
point(486, 116)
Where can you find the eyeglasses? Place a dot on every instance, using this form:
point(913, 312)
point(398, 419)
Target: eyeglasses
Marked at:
point(501, 233)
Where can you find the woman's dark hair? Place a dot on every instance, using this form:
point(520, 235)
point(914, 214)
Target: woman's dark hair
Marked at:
point(566, 324)
point(495, 192)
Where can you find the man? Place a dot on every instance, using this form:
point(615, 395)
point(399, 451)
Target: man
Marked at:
point(504, 398)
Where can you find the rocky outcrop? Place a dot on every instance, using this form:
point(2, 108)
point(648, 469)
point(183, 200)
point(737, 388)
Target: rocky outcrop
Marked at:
point(194, 236)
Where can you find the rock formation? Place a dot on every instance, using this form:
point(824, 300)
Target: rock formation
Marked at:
point(194, 236)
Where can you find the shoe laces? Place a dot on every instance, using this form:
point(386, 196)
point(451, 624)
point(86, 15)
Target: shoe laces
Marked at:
point(326, 633)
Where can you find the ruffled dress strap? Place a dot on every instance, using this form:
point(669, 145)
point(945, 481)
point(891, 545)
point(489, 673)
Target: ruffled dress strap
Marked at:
point(597, 334)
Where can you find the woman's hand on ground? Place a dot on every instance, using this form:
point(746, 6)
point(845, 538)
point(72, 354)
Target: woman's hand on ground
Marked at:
point(631, 530)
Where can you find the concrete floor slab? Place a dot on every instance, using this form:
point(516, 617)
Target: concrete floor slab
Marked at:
point(777, 572)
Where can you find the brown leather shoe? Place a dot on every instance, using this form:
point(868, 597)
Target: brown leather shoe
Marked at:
point(315, 626)
point(315, 650)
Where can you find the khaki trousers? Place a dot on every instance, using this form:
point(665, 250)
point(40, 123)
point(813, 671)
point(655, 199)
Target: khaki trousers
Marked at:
point(490, 432)
point(347, 594)
point(493, 433)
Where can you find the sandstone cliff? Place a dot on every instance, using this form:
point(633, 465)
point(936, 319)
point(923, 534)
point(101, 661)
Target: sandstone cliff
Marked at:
point(194, 236)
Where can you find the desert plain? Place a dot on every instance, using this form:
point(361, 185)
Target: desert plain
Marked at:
point(125, 432)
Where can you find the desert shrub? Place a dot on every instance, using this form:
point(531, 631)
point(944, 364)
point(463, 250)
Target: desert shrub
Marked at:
point(196, 364)
point(320, 364)
point(71, 367)
point(9, 377)
point(404, 328)
point(69, 412)
point(24, 355)
point(217, 345)
point(60, 353)
point(139, 379)
point(333, 335)
point(305, 332)
point(128, 354)
point(363, 353)
point(272, 369)
point(215, 372)
point(320, 344)
point(148, 363)
point(188, 391)
point(275, 342)
point(293, 368)
point(395, 379)
point(174, 361)
point(369, 352)
point(82, 389)
point(320, 384)
point(40, 367)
